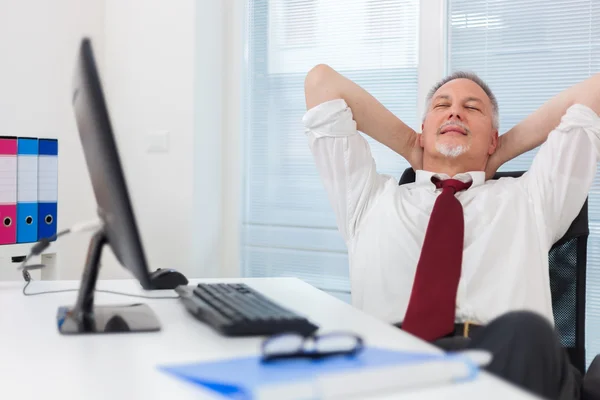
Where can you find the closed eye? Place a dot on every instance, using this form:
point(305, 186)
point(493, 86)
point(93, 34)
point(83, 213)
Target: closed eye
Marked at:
point(441, 105)
point(473, 108)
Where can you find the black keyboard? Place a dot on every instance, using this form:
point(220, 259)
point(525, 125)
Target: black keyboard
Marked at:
point(238, 310)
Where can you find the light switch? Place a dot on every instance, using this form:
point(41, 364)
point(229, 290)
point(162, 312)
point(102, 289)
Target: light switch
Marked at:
point(157, 142)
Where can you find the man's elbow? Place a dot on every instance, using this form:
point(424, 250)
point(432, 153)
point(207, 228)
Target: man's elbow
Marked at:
point(320, 85)
point(318, 75)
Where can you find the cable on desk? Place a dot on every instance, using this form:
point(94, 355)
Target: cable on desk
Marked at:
point(43, 244)
point(95, 291)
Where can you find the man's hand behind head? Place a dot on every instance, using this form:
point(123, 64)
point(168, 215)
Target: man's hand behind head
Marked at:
point(496, 160)
point(415, 156)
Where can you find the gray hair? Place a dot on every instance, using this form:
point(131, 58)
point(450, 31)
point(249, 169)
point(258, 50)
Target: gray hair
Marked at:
point(472, 77)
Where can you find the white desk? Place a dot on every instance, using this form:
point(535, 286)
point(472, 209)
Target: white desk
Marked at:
point(37, 362)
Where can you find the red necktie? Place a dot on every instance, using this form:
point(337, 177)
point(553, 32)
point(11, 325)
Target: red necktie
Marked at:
point(431, 308)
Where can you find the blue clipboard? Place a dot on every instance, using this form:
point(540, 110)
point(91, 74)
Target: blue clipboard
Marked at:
point(242, 378)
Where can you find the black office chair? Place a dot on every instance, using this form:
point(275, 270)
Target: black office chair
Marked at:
point(567, 262)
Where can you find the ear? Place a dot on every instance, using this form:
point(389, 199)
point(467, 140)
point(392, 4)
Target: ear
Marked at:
point(493, 144)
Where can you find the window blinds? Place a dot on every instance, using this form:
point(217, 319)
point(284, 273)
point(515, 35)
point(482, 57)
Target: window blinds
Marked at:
point(528, 51)
point(289, 228)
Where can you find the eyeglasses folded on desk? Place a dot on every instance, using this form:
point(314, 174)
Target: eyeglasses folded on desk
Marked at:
point(292, 345)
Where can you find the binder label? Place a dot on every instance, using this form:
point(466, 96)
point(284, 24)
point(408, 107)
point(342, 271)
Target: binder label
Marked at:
point(48, 179)
point(8, 179)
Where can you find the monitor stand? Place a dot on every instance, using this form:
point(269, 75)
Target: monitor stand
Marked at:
point(85, 318)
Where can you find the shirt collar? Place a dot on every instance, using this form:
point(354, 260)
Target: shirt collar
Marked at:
point(424, 177)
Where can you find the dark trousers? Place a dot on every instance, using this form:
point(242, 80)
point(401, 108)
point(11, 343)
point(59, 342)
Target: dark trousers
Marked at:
point(526, 352)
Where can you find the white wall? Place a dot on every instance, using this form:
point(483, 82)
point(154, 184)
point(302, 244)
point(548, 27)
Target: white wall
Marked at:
point(208, 147)
point(149, 76)
point(232, 166)
point(176, 67)
point(166, 66)
point(38, 43)
point(217, 180)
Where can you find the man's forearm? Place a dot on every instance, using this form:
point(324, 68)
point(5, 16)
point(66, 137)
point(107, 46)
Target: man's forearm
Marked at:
point(534, 130)
point(324, 84)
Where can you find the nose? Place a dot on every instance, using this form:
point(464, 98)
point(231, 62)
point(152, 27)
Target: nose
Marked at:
point(454, 113)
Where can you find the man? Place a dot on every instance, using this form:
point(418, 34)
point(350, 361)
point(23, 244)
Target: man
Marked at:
point(453, 247)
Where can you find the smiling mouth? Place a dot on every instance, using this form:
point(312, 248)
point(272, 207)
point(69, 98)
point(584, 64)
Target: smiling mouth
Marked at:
point(453, 130)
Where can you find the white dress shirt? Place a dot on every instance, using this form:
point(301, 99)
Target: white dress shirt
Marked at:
point(510, 223)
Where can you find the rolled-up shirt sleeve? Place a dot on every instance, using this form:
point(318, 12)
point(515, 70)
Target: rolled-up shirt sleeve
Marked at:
point(344, 161)
point(564, 168)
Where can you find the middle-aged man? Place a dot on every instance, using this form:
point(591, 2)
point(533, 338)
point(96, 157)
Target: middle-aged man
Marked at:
point(453, 247)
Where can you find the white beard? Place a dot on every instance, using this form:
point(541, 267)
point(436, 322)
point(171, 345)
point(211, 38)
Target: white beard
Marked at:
point(450, 150)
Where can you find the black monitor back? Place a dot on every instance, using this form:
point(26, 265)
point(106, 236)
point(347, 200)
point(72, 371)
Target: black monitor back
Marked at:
point(104, 166)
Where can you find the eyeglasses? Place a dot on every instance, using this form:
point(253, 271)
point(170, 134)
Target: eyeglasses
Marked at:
point(292, 345)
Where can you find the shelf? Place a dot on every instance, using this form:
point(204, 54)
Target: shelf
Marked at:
point(8, 268)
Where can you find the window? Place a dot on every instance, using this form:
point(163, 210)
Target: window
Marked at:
point(528, 52)
point(289, 227)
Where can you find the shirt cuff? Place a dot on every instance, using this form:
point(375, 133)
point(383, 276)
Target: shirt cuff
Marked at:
point(331, 118)
point(582, 116)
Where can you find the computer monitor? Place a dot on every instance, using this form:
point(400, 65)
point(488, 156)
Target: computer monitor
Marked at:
point(114, 207)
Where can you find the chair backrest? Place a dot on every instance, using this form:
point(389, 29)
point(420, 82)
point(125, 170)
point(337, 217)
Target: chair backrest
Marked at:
point(567, 262)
